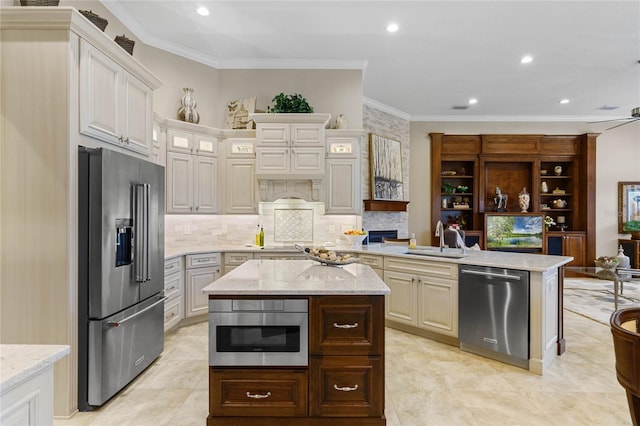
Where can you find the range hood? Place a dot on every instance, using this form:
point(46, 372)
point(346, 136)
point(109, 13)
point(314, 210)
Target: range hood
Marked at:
point(290, 155)
point(308, 188)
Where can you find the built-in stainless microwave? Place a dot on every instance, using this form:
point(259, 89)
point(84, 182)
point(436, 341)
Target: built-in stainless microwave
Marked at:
point(258, 332)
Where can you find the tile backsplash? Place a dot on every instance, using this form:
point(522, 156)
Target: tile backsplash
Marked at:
point(284, 222)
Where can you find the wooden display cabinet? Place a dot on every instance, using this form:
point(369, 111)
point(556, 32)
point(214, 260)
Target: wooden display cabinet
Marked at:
point(558, 172)
point(632, 249)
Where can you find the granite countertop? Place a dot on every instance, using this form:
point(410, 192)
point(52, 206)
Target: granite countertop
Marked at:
point(522, 261)
point(298, 277)
point(499, 259)
point(21, 362)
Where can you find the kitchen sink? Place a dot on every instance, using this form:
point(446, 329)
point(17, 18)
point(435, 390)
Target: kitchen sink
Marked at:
point(434, 253)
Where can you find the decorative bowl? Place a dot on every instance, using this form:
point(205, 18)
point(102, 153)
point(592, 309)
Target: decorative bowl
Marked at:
point(355, 240)
point(606, 262)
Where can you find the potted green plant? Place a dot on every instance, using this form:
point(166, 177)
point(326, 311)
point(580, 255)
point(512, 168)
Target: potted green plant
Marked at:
point(295, 103)
point(632, 227)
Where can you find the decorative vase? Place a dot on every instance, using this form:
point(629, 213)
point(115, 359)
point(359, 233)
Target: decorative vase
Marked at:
point(523, 200)
point(557, 170)
point(187, 112)
point(341, 122)
point(623, 260)
point(544, 187)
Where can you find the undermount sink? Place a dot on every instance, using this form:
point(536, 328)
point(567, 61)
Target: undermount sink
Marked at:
point(433, 253)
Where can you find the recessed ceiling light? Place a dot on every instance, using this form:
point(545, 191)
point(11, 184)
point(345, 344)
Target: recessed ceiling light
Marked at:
point(392, 28)
point(526, 59)
point(564, 101)
point(202, 11)
point(473, 101)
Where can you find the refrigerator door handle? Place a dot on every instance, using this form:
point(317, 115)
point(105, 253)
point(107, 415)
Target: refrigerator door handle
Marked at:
point(130, 317)
point(141, 224)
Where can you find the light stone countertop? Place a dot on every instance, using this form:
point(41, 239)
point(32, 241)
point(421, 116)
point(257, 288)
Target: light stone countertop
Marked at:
point(298, 277)
point(21, 362)
point(521, 261)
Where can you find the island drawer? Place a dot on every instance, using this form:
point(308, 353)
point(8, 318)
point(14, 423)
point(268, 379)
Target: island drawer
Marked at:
point(351, 325)
point(258, 392)
point(346, 386)
point(203, 260)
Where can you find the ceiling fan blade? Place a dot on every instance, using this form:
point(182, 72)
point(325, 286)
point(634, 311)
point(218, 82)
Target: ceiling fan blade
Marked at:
point(622, 124)
point(607, 121)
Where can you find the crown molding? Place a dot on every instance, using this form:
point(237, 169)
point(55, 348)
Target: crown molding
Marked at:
point(512, 118)
point(385, 108)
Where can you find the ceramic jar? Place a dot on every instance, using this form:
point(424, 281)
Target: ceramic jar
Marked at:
point(544, 187)
point(341, 122)
point(557, 170)
point(187, 112)
point(559, 203)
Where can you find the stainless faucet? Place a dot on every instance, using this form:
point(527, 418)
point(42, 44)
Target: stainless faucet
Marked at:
point(440, 233)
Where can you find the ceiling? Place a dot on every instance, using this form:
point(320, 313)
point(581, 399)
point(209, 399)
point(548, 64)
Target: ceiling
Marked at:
point(444, 53)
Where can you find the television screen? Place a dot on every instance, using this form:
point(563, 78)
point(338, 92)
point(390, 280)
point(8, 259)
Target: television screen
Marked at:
point(514, 231)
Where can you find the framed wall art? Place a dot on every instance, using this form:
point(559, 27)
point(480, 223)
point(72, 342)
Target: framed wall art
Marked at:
point(386, 168)
point(628, 203)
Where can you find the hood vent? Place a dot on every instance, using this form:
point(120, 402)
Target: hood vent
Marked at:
point(309, 189)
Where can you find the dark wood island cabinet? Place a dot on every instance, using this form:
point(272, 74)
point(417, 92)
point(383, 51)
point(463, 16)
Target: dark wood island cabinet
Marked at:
point(343, 381)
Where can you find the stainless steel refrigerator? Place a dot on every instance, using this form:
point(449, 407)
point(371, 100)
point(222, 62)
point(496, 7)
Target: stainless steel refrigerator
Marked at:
point(120, 271)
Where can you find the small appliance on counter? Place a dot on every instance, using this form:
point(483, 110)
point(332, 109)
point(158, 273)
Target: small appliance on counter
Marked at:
point(120, 271)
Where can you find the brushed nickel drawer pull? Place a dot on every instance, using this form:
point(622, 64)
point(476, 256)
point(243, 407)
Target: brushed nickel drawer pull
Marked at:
point(258, 396)
point(345, 388)
point(336, 325)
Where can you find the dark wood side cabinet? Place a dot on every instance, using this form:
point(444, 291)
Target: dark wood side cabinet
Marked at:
point(558, 172)
point(632, 249)
point(343, 383)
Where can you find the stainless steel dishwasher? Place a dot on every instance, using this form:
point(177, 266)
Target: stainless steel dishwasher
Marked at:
point(493, 313)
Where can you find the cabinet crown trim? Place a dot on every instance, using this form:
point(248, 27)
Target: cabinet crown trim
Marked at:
point(291, 118)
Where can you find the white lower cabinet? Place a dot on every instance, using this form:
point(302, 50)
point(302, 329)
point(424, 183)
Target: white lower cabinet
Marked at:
point(232, 260)
point(30, 403)
point(401, 304)
point(173, 291)
point(423, 294)
point(202, 270)
point(375, 261)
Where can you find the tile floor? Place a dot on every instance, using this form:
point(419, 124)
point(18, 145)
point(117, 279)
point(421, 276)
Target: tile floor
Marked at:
point(427, 383)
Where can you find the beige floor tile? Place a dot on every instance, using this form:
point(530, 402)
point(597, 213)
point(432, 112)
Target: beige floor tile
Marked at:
point(427, 383)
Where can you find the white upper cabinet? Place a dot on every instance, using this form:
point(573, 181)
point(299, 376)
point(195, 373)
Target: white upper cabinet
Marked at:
point(290, 144)
point(343, 172)
point(115, 106)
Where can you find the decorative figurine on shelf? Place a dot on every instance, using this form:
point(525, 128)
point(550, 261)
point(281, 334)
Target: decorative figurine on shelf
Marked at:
point(557, 170)
point(187, 112)
point(501, 200)
point(341, 122)
point(523, 200)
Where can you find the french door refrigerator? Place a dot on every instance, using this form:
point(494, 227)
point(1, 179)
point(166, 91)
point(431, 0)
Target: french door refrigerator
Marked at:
point(120, 271)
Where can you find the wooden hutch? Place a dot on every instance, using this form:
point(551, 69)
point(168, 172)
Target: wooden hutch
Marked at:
point(466, 169)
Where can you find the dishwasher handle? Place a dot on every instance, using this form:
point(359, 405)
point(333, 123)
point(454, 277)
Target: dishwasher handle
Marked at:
point(491, 274)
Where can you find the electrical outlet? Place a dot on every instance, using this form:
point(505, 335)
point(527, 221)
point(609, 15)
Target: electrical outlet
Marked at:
point(224, 229)
point(186, 230)
point(332, 229)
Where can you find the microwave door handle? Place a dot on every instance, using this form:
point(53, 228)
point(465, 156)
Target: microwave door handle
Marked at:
point(141, 224)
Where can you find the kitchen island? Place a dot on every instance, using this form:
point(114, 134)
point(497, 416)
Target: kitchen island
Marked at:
point(340, 341)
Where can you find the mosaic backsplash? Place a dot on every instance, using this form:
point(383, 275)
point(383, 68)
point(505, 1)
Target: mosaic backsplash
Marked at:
point(293, 225)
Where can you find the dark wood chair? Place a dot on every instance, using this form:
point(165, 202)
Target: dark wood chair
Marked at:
point(625, 328)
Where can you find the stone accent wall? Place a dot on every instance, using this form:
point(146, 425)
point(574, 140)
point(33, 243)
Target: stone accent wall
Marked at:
point(392, 127)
